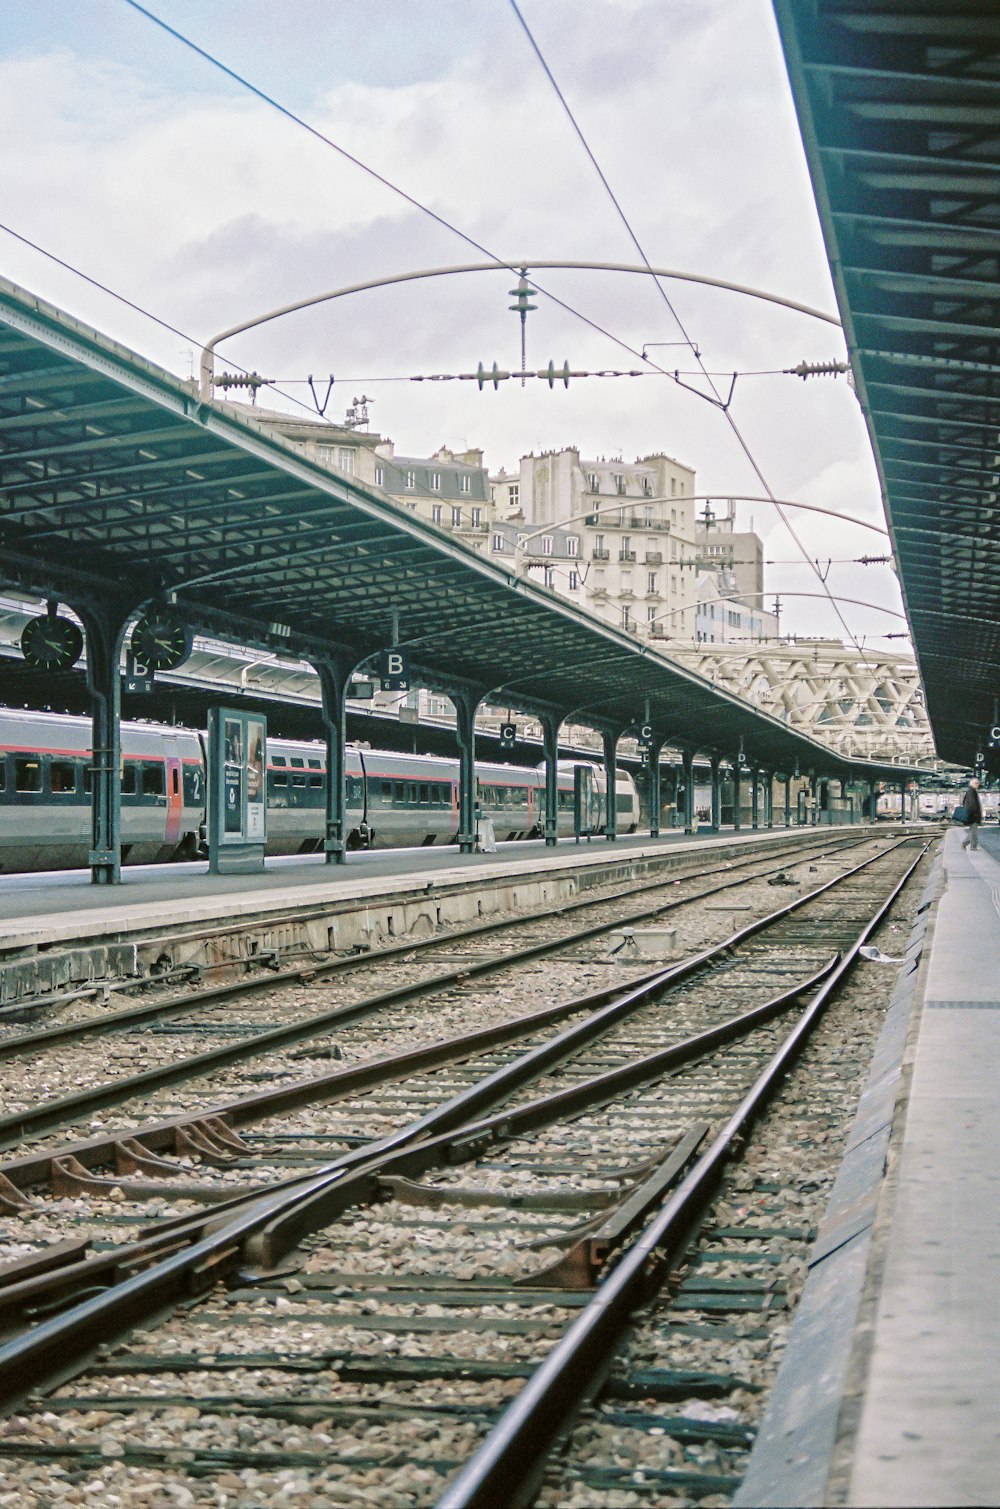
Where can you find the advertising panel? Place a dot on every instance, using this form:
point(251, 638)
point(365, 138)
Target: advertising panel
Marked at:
point(237, 791)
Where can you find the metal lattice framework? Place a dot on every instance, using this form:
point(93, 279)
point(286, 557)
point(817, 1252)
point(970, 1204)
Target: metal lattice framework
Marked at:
point(899, 105)
point(867, 706)
point(119, 486)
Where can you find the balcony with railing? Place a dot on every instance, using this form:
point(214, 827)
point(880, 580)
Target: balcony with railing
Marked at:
point(654, 557)
point(626, 555)
point(600, 555)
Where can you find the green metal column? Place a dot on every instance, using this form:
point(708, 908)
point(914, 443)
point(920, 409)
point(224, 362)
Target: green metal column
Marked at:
point(466, 704)
point(105, 625)
point(768, 798)
point(655, 802)
point(551, 724)
point(610, 741)
point(788, 801)
point(716, 794)
point(737, 824)
point(814, 791)
point(754, 798)
point(333, 678)
point(687, 757)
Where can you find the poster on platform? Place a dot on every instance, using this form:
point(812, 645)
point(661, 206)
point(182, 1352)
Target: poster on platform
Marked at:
point(237, 791)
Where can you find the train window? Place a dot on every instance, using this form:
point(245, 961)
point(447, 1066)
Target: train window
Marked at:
point(27, 774)
point(315, 765)
point(399, 791)
point(128, 778)
point(3, 773)
point(425, 795)
point(277, 759)
point(298, 780)
point(279, 777)
point(354, 790)
point(411, 792)
point(153, 783)
point(175, 780)
point(88, 779)
point(316, 781)
point(387, 791)
point(297, 761)
point(62, 776)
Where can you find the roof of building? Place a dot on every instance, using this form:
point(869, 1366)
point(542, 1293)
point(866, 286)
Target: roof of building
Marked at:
point(899, 105)
point(122, 486)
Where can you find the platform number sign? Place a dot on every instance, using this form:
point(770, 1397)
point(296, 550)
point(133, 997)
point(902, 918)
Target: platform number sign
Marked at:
point(394, 670)
point(645, 736)
point(508, 735)
point(139, 676)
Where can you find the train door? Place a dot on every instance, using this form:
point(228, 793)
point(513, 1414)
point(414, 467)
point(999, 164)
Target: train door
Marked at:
point(175, 800)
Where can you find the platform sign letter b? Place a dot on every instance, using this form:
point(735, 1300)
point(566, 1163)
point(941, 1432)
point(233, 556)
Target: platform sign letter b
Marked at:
point(394, 670)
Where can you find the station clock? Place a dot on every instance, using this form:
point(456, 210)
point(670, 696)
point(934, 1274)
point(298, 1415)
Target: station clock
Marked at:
point(51, 643)
point(161, 639)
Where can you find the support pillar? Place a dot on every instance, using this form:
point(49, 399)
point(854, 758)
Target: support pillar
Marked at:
point(466, 704)
point(755, 798)
point(716, 794)
point(333, 678)
point(655, 804)
point(814, 792)
point(768, 798)
point(687, 758)
point(551, 724)
point(902, 801)
point(105, 632)
point(610, 802)
point(872, 802)
point(788, 801)
point(736, 794)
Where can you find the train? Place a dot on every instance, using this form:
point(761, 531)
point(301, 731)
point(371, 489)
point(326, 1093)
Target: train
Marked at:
point(393, 800)
point(936, 806)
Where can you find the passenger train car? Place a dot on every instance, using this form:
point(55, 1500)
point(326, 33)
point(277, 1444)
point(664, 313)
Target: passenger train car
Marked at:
point(937, 806)
point(393, 800)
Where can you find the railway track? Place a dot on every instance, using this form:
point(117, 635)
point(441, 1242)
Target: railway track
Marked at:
point(412, 988)
point(365, 1323)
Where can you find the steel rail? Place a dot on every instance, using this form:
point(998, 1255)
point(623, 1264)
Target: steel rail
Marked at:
point(269, 1225)
point(509, 1465)
point(309, 973)
point(51, 1114)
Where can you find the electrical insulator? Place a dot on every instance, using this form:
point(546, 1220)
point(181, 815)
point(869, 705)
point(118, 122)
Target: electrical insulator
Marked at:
point(816, 369)
point(482, 376)
point(552, 374)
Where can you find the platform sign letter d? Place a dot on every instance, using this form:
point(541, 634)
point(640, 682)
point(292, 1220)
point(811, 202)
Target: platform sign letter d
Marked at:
point(394, 670)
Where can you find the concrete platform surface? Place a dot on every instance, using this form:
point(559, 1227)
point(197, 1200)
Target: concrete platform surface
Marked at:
point(929, 1431)
point(41, 908)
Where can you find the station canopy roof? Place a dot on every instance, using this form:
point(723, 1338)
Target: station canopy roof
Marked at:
point(118, 484)
point(899, 106)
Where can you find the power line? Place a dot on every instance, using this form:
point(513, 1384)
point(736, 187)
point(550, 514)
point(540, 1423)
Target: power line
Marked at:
point(737, 433)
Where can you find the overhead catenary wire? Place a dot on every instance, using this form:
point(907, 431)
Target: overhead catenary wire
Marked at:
point(502, 263)
point(737, 433)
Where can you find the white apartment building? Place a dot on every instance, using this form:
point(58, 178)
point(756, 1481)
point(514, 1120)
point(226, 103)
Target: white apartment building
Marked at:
point(616, 538)
point(722, 617)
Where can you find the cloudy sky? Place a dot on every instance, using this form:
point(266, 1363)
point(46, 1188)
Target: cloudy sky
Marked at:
point(146, 167)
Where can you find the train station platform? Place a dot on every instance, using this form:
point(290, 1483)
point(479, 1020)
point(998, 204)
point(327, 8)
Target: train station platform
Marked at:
point(889, 1392)
point(57, 929)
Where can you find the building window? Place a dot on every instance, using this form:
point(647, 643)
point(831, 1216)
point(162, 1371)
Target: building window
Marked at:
point(345, 459)
point(594, 482)
point(626, 618)
point(514, 495)
point(465, 483)
point(647, 487)
point(673, 487)
point(379, 477)
point(650, 615)
point(456, 518)
point(651, 582)
point(647, 515)
point(435, 513)
point(548, 577)
point(572, 546)
point(619, 482)
point(599, 542)
point(574, 580)
point(626, 581)
point(522, 540)
point(435, 482)
point(409, 479)
point(477, 518)
point(498, 543)
point(324, 455)
point(546, 544)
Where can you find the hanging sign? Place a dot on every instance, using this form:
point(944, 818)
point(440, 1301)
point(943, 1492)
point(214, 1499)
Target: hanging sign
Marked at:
point(394, 670)
point(138, 676)
point(508, 735)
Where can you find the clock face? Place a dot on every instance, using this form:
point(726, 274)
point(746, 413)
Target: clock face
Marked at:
point(161, 640)
point(51, 643)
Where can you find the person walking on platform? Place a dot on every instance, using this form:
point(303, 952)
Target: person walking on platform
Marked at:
point(974, 810)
